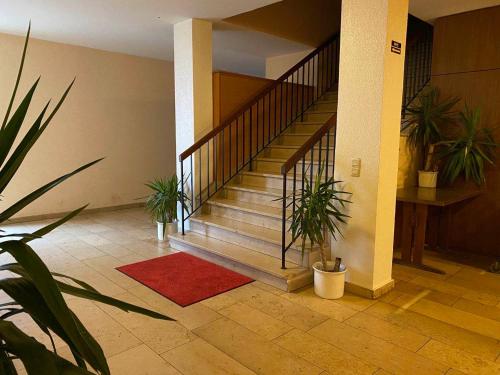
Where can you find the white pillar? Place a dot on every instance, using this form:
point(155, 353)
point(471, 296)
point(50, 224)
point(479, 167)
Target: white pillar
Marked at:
point(369, 115)
point(193, 81)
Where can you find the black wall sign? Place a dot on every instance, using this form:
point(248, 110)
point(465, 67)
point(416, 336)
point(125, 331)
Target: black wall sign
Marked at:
point(396, 47)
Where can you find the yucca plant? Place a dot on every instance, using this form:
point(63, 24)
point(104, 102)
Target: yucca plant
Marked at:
point(469, 151)
point(425, 122)
point(35, 290)
point(162, 203)
point(319, 209)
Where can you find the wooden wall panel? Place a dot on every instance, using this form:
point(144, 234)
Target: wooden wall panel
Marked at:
point(466, 63)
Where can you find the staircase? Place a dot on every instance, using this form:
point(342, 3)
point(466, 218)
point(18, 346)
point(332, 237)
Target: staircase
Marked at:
point(240, 226)
point(243, 178)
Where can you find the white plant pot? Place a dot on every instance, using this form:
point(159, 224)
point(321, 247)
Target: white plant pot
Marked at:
point(329, 285)
point(427, 179)
point(159, 227)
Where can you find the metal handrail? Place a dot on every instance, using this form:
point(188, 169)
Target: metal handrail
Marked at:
point(299, 157)
point(233, 145)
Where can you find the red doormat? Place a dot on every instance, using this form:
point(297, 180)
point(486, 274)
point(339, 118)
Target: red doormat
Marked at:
point(183, 278)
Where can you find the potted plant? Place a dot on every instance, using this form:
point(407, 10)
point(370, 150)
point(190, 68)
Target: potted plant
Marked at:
point(318, 210)
point(469, 151)
point(162, 204)
point(423, 128)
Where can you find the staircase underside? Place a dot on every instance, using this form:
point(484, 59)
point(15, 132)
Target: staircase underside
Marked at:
point(240, 228)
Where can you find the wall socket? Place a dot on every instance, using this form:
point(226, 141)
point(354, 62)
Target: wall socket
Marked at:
point(356, 167)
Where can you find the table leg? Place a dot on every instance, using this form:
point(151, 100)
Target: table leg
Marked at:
point(407, 231)
point(421, 211)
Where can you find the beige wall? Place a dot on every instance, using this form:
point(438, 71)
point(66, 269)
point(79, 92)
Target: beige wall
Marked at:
point(277, 65)
point(121, 107)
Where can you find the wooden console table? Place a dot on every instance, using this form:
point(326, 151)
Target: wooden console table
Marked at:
point(416, 202)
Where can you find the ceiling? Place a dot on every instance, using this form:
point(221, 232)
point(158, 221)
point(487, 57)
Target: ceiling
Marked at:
point(145, 27)
point(429, 10)
point(257, 28)
point(310, 22)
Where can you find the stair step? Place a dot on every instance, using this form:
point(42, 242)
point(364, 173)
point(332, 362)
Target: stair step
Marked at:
point(271, 212)
point(254, 237)
point(251, 263)
point(252, 194)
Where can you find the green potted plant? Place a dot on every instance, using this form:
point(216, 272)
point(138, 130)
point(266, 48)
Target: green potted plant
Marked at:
point(469, 151)
point(423, 128)
point(162, 204)
point(319, 207)
point(30, 287)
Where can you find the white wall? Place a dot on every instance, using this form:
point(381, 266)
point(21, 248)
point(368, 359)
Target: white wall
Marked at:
point(277, 65)
point(121, 107)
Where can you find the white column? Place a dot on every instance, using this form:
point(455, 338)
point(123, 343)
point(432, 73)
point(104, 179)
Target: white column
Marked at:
point(369, 115)
point(193, 81)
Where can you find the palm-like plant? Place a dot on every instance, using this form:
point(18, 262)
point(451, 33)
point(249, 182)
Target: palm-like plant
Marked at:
point(318, 210)
point(425, 123)
point(35, 290)
point(469, 152)
point(162, 203)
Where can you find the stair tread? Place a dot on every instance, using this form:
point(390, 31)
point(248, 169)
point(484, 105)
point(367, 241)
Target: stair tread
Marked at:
point(246, 229)
point(295, 146)
point(255, 189)
point(242, 255)
point(259, 209)
point(282, 160)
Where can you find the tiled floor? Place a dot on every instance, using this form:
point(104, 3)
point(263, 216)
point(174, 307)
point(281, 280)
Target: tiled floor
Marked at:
point(429, 324)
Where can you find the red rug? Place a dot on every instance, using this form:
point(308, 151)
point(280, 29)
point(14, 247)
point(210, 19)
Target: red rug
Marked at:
point(183, 278)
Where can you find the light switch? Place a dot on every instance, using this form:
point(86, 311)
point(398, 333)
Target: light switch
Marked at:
point(356, 167)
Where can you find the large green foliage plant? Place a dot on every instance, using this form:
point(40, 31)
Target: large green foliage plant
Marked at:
point(319, 210)
point(32, 288)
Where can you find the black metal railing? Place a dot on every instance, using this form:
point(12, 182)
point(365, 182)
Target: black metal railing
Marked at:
point(418, 60)
point(216, 158)
point(317, 152)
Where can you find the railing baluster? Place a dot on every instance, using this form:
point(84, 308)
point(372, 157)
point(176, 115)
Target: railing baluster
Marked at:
point(223, 157)
point(269, 120)
point(182, 198)
point(192, 184)
point(199, 175)
point(263, 120)
point(283, 224)
point(208, 169)
point(327, 151)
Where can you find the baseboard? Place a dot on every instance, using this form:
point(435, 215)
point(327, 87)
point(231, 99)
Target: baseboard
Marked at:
point(369, 293)
point(87, 211)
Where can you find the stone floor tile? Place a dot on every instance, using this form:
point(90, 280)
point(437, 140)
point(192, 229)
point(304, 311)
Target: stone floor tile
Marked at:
point(200, 358)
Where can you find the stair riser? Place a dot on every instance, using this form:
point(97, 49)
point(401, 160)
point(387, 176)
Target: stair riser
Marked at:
point(297, 140)
point(251, 197)
point(244, 216)
point(330, 96)
point(303, 128)
point(285, 153)
point(264, 247)
point(324, 106)
point(265, 181)
point(317, 116)
point(275, 167)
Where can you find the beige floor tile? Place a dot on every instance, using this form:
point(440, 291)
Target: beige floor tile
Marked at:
point(256, 321)
point(190, 317)
point(329, 308)
point(453, 371)
point(433, 295)
point(268, 288)
point(84, 252)
point(402, 337)
point(450, 315)
point(253, 351)
point(200, 358)
point(487, 347)
point(140, 361)
point(322, 354)
point(95, 279)
point(478, 279)
point(106, 266)
point(278, 307)
point(374, 350)
point(219, 301)
point(459, 359)
point(355, 302)
point(486, 311)
point(159, 335)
